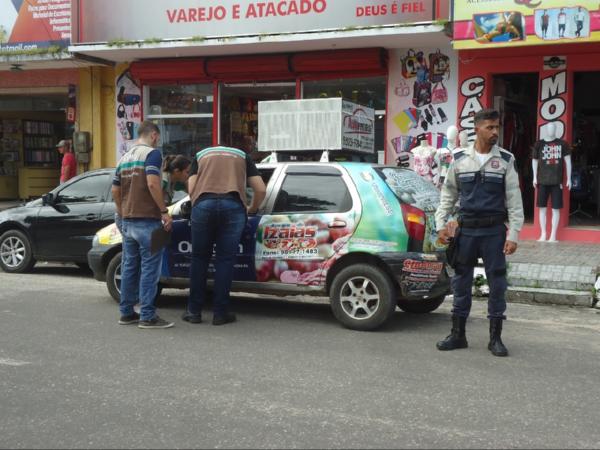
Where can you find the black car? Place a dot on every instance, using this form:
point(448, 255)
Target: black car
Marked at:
point(60, 226)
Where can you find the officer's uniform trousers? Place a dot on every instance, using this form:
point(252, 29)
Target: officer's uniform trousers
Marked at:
point(488, 244)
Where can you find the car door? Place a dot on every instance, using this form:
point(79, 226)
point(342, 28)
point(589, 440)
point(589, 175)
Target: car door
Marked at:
point(310, 217)
point(64, 229)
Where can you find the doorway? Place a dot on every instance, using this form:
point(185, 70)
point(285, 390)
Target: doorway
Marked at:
point(585, 152)
point(515, 98)
point(239, 112)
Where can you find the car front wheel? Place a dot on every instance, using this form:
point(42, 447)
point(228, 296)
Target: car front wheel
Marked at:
point(362, 297)
point(421, 306)
point(16, 255)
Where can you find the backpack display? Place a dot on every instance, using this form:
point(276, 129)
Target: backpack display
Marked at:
point(439, 65)
point(409, 64)
point(421, 93)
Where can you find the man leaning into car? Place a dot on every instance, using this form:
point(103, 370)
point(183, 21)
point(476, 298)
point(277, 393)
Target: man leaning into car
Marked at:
point(218, 193)
point(138, 197)
point(483, 179)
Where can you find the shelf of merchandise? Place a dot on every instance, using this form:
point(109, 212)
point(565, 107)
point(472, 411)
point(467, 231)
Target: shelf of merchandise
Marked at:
point(10, 156)
point(39, 172)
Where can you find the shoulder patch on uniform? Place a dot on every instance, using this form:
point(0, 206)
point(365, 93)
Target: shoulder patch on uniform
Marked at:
point(458, 155)
point(506, 155)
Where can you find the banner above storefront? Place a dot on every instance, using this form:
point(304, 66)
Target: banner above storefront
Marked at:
point(109, 20)
point(511, 23)
point(29, 27)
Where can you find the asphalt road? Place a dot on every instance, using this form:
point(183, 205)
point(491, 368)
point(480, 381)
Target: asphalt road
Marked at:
point(285, 376)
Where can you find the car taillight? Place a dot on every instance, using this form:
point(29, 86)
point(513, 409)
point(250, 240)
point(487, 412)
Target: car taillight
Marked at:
point(414, 220)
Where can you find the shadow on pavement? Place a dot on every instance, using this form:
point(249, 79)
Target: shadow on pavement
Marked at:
point(299, 310)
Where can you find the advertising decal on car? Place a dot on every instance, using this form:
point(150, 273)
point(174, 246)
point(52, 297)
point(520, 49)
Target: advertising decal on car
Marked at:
point(298, 248)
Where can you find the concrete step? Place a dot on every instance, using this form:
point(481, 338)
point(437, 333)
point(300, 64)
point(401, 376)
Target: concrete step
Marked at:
point(552, 276)
point(520, 294)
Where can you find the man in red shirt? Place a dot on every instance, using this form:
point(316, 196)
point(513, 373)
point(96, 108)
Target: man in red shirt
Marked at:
point(68, 168)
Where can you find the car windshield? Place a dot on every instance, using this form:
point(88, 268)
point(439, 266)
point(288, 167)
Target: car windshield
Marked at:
point(411, 188)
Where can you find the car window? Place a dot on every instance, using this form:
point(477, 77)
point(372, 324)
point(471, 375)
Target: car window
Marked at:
point(312, 193)
point(86, 190)
point(266, 175)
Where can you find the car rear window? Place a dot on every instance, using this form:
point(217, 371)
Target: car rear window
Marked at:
point(411, 188)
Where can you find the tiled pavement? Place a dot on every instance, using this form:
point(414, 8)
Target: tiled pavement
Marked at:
point(559, 254)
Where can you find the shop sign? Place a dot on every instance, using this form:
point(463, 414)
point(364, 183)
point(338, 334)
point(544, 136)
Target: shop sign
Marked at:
point(30, 26)
point(128, 109)
point(105, 20)
point(553, 105)
point(512, 23)
point(472, 90)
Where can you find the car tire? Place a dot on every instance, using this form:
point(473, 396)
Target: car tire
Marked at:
point(422, 306)
point(363, 297)
point(113, 278)
point(16, 255)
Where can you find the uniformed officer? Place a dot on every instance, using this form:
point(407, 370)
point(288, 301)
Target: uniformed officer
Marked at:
point(484, 180)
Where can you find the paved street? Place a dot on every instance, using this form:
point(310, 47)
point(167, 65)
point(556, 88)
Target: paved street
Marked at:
point(286, 375)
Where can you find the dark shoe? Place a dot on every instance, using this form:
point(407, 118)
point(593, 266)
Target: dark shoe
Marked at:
point(128, 320)
point(496, 346)
point(192, 318)
point(222, 320)
point(457, 337)
point(157, 322)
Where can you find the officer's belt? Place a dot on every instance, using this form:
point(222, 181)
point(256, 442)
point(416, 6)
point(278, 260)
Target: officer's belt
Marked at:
point(481, 222)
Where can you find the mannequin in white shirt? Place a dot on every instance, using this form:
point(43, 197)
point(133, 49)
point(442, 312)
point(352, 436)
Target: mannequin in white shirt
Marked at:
point(550, 136)
point(463, 139)
point(443, 156)
point(423, 159)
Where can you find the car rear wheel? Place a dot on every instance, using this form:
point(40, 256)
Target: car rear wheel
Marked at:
point(16, 255)
point(362, 297)
point(113, 278)
point(422, 306)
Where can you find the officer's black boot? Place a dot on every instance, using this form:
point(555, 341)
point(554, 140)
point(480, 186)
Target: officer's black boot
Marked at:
point(496, 346)
point(457, 337)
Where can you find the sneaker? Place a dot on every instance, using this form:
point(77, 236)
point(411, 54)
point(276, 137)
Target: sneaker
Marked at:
point(157, 322)
point(222, 320)
point(192, 318)
point(128, 320)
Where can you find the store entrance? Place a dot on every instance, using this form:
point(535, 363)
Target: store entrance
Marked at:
point(515, 97)
point(585, 178)
point(239, 112)
point(30, 128)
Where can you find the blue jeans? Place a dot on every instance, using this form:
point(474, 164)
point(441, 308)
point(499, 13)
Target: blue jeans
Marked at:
point(140, 269)
point(218, 223)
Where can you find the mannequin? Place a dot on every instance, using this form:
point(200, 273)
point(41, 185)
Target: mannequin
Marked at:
point(463, 139)
point(547, 164)
point(423, 159)
point(443, 156)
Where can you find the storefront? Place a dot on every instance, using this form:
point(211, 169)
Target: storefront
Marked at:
point(38, 90)
point(205, 90)
point(538, 65)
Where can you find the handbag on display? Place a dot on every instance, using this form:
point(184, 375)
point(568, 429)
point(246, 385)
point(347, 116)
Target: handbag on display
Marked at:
point(439, 65)
point(121, 114)
point(439, 94)
point(409, 64)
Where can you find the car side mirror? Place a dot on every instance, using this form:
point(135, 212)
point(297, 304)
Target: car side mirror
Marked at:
point(48, 199)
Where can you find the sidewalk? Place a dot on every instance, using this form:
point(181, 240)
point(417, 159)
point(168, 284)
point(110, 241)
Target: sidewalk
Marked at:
point(554, 273)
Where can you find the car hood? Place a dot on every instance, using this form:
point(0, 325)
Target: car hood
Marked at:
point(18, 212)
